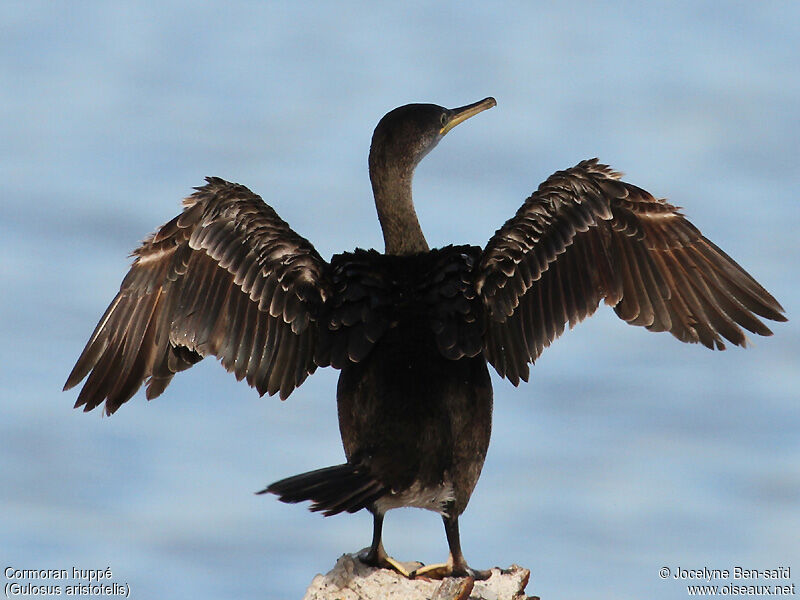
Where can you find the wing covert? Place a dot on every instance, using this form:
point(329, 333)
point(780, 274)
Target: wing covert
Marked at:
point(374, 293)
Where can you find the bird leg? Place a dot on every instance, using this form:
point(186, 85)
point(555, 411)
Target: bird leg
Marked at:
point(456, 565)
point(376, 556)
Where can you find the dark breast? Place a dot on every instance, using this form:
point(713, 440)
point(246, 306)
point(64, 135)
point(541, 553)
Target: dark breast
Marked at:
point(414, 394)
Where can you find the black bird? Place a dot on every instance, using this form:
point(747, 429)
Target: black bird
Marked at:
point(411, 330)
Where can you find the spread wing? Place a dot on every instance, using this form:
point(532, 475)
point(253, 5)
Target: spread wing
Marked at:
point(227, 277)
point(585, 236)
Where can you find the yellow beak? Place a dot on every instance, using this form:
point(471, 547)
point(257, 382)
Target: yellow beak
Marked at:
point(465, 112)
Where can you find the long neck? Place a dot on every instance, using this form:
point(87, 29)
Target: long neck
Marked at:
point(392, 189)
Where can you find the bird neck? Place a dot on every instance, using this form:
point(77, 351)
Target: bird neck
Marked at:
point(402, 233)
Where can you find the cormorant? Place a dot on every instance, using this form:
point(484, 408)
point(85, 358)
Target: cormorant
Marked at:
point(411, 330)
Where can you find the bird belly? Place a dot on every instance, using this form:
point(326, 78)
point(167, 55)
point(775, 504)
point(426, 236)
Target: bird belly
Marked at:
point(436, 498)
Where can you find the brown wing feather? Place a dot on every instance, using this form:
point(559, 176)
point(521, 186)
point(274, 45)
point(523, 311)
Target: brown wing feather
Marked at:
point(585, 236)
point(227, 277)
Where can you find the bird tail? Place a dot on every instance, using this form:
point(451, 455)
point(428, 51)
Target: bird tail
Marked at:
point(331, 490)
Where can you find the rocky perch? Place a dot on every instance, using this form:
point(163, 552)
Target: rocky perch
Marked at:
point(350, 579)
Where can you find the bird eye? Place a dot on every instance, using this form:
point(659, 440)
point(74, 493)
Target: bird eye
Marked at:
point(443, 119)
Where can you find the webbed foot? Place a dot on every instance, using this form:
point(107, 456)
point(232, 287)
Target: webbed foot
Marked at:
point(449, 569)
point(378, 558)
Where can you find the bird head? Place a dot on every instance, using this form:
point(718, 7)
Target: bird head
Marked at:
point(406, 134)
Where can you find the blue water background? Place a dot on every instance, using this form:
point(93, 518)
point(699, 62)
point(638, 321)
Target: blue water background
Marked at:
point(627, 452)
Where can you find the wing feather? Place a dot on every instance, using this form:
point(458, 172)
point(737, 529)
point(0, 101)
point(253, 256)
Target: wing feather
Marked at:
point(586, 236)
point(227, 277)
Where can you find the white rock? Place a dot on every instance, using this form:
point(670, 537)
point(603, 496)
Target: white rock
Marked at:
point(350, 579)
